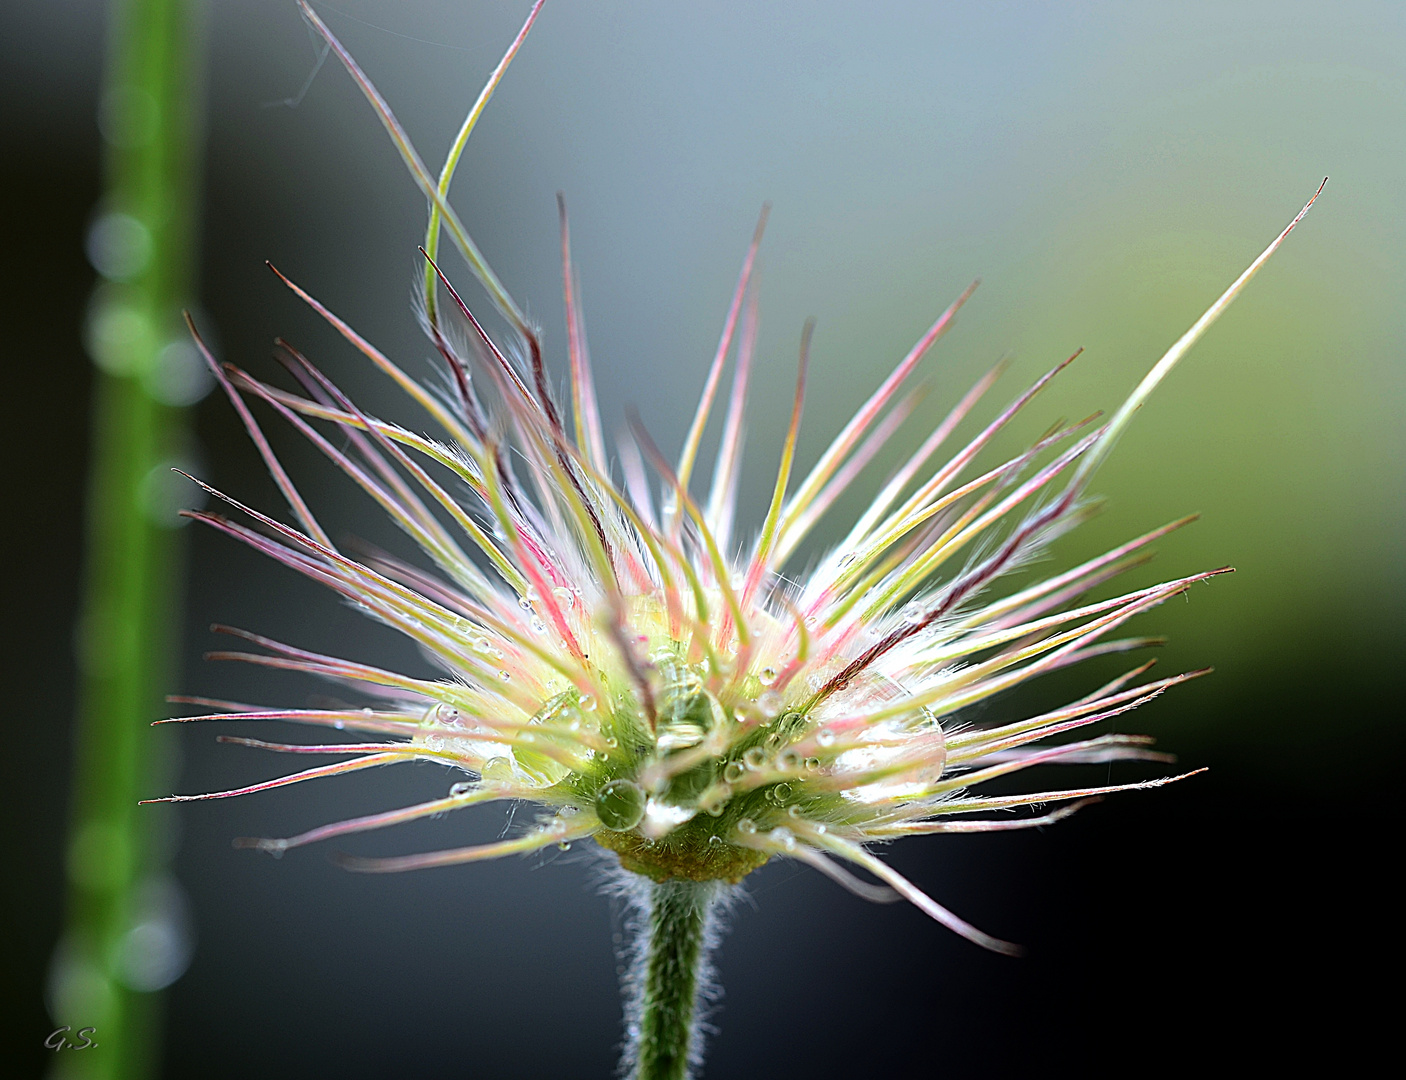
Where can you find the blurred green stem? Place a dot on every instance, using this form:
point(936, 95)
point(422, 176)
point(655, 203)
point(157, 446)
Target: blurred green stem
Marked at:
point(111, 958)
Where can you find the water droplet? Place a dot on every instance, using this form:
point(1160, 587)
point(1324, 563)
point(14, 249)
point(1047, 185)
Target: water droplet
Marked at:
point(783, 837)
point(812, 763)
point(767, 676)
point(566, 596)
point(460, 790)
point(538, 626)
point(747, 827)
point(612, 742)
point(789, 761)
point(339, 725)
point(620, 804)
point(587, 704)
point(564, 845)
point(524, 603)
point(733, 771)
point(769, 701)
point(503, 674)
point(781, 792)
point(715, 839)
point(179, 375)
point(446, 713)
point(119, 335)
point(119, 246)
point(793, 811)
point(774, 740)
point(825, 737)
point(754, 758)
point(498, 770)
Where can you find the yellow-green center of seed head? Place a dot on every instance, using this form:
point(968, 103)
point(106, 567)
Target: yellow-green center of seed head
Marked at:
point(675, 791)
point(696, 773)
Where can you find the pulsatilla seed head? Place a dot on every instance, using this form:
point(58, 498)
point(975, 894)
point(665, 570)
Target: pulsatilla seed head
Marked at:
point(614, 656)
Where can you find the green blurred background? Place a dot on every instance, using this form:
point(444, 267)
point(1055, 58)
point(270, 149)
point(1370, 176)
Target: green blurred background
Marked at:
point(1106, 169)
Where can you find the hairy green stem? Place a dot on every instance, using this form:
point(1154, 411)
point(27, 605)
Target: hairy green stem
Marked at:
point(678, 928)
point(122, 939)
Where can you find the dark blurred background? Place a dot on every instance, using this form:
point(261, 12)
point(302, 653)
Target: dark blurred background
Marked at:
point(1107, 170)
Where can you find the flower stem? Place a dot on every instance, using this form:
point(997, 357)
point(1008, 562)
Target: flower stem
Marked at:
point(674, 957)
point(106, 969)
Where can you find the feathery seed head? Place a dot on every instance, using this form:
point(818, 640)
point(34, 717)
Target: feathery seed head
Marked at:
point(612, 655)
